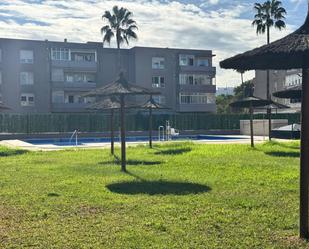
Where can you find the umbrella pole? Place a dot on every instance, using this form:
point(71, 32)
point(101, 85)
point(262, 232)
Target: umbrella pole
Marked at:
point(112, 133)
point(304, 160)
point(269, 123)
point(123, 134)
point(251, 126)
point(150, 127)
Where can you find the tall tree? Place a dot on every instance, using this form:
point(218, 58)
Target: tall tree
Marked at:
point(268, 14)
point(120, 25)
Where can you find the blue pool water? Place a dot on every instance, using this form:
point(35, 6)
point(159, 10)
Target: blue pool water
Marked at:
point(83, 141)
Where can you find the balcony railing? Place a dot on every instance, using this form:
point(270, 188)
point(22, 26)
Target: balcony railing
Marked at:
point(88, 65)
point(196, 68)
point(198, 88)
point(75, 85)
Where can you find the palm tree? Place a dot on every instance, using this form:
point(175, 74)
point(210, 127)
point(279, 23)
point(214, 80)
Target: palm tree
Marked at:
point(120, 25)
point(241, 75)
point(269, 14)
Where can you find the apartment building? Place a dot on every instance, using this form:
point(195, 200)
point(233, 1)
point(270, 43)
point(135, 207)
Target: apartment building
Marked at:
point(47, 76)
point(279, 80)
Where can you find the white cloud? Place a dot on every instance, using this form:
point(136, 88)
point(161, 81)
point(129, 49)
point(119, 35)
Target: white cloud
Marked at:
point(169, 24)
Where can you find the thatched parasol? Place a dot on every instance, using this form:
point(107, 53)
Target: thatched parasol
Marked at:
point(111, 103)
point(290, 93)
point(121, 88)
point(250, 103)
point(290, 52)
point(150, 105)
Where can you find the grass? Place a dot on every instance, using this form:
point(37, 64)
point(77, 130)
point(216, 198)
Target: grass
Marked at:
point(174, 196)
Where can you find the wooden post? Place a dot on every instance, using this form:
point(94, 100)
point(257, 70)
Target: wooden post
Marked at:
point(269, 123)
point(150, 127)
point(123, 133)
point(251, 126)
point(304, 160)
point(112, 132)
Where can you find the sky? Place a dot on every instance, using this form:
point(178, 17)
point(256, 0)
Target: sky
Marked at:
point(223, 26)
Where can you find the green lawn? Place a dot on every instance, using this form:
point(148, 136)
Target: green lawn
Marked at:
point(174, 196)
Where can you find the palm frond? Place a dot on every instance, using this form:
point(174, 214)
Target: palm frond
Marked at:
point(120, 25)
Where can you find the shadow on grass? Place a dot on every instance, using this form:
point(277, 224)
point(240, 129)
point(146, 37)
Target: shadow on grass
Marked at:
point(53, 195)
point(131, 162)
point(8, 152)
point(282, 154)
point(173, 151)
point(157, 188)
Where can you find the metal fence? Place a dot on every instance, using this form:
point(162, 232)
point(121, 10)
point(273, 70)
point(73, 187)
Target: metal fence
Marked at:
point(43, 123)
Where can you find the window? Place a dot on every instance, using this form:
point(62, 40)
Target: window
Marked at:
point(158, 82)
point(202, 62)
point(80, 77)
point(193, 98)
point(60, 54)
point(26, 78)
point(27, 99)
point(186, 60)
point(295, 101)
point(293, 80)
point(26, 56)
point(159, 99)
point(83, 56)
point(89, 100)
point(58, 97)
point(57, 75)
point(71, 99)
point(158, 63)
point(194, 79)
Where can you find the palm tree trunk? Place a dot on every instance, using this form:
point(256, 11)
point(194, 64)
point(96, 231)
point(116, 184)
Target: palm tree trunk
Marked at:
point(119, 57)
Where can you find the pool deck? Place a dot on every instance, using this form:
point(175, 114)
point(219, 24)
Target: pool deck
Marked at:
point(51, 147)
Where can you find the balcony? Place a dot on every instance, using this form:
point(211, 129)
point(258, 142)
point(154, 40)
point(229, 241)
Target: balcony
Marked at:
point(197, 108)
point(75, 86)
point(209, 70)
point(80, 65)
point(198, 88)
point(69, 107)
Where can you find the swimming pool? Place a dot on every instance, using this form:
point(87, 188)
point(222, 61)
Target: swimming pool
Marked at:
point(85, 141)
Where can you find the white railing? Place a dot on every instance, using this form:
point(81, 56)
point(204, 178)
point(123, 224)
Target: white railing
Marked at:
point(161, 134)
point(75, 133)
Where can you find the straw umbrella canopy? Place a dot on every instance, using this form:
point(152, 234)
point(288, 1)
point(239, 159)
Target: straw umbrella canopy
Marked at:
point(121, 88)
point(150, 105)
point(111, 103)
point(250, 103)
point(274, 106)
point(290, 93)
point(290, 52)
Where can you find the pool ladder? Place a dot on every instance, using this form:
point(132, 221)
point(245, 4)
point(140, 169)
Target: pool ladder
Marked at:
point(75, 133)
point(161, 134)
